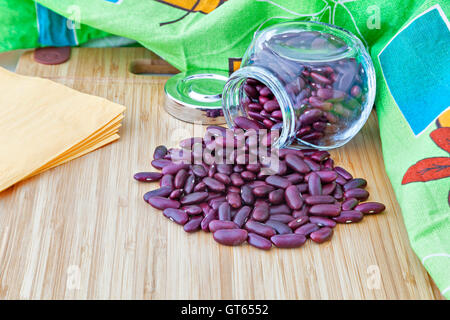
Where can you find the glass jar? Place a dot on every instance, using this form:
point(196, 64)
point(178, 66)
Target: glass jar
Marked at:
point(312, 82)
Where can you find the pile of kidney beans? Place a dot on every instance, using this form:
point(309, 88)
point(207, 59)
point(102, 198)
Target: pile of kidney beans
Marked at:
point(305, 198)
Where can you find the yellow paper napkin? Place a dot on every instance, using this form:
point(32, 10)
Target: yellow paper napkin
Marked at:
point(44, 124)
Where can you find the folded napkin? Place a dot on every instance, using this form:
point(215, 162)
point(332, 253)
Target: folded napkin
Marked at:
point(45, 124)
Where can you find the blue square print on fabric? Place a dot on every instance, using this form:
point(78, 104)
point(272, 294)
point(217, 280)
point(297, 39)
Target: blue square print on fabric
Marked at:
point(416, 67)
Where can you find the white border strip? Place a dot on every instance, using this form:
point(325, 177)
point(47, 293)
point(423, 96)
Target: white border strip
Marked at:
point(446, 21)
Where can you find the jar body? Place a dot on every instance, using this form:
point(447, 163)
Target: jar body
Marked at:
point(312, 82)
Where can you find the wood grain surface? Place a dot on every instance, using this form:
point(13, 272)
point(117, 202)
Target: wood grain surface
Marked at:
point(82, 230)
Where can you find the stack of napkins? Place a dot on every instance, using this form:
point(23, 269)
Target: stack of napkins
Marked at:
point(44, 124)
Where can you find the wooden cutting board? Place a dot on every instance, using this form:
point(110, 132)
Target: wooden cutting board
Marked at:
point(83, 231)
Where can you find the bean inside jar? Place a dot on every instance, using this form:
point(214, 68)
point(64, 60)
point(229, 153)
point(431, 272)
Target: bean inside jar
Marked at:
point(317, 85)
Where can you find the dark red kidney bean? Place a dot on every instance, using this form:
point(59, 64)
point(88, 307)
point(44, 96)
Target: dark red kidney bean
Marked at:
point(329, 164)
point(215, 203)
point(349, 216)
point(212, 170)
point(259, 228)
point(207, 219)
point(248, 175)
point(302, 187)
point(236, 179)
point(214, 184)
point(313, 136)
point(302, 212)
point(226, 169)
point(298, 222)
point(241, 216)
point(293, 198)
point(326, 210)
point(233, 189)
point(205, 207)
point(277, 114)
point(355, 183)
point(215, 195)
point(306, 229)
point(251, 91)
point(323, 199)
point(327, 176)
point(283, 152)
point(262, 191)
point(216, 131)
point(160, 163)
point(194, 198)
point(234, 200)
point(167, 181)
point(259, 242)
point(256, 183)
point(349, 204)
point(322, 235)
point(282, 168)
point(160, 152)
point(338, 194)
point(370, 207)
point(255, 168)
point(320, 156)
point(176, 215)
point(328, 188)
point(162, 203)
point(319, 125)
point(344, 173)
point(180, 178)
point(192, 210)
point(189, 142)
point(294, 178)
point(314, 166)
point(323, 222)
point(314, 184)
point(284, 218)
point(341, 180)
point(246, 123)
point(162, 192)
point(189, 184)
point(296, 163)
point(310, 116)
point(279, 209)
point(193, 224)
point(238, 168)
point(224, 211)
point(215, 225)
point(260, 211)
point(176, 194)
point(247, 195)
point(278, 182)
point(148, 176)
point(222, 178)
point(199, 171)
point(278, 226)
point(230, 237)
point(276, 196)
point(174, 168)
point(319, 78)
point(288, 240)
point(271, 105)
point(358, 193)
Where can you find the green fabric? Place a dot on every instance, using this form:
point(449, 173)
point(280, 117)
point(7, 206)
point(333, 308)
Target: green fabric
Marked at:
point(216, 39)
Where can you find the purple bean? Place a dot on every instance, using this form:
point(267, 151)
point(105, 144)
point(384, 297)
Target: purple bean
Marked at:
point(162, 203)
point(259, 242)
point(296, 163)
point(234, 199)
point(344, 173)
point(284, 218)
point(323, 199)
point(302, 187)
point(176, 215)
point(167, 181)
point(180, 178)
point(358, 193)
point(248, 175)
point(259, 228)
point(349, 216)
point(279, 227)
point(327, 176)
point(207, 219)
point(322, 235)
point(293, 198)
point(278, 182)
point(189, 184)
point(199, 171)
point(148, 176)
point(276, 196)
point(160, 163)
point(174, 168)
point(214, 184)
point(288, 240)
point(192, 210)
point(224, 211)
point(338, 194)
point(194, 198)
point(307, 229)
point(246, 123)
point(370, 207)
point(323, 222)
point(328, 188)
point(314, 184)
point(215, 225)
point(193, 224)
point(230, 237)
point(262, 191)
point(176, 194)
point(298, 222)
point(226, 169)
point(310, 116)
point(355, 183)
point(260, 211)
point(250, 91)
point(294, 178)
point(222, 178)
point(349, 204)
point(247, 195)
point(160, 152)
point(236, 179)
point(233, 189)
point(279, 209)
point(325, 210)
point(162, 192)
point(320, 156)
point(302, 212)
point(314, 166)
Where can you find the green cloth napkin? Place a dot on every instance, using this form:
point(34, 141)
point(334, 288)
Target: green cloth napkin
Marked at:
point(407, 39)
